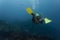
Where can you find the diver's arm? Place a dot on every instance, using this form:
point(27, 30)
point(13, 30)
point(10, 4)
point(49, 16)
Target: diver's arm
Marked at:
point(41, 19)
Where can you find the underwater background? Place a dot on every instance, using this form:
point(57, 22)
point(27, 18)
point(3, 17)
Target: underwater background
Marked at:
point(14, 18)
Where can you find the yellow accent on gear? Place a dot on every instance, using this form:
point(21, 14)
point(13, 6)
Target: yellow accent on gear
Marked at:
point(29, 10)
point(47, 20)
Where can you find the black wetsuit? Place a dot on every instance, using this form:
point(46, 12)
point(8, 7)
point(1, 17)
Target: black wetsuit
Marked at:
point(37, 19)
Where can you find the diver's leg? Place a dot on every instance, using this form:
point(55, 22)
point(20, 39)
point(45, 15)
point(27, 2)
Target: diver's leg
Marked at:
point(33, 14)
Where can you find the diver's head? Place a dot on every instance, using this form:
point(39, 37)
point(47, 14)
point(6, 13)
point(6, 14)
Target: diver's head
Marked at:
point(37, 14)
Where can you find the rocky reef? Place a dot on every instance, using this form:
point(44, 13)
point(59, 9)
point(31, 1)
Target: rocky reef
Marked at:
point(25, 31)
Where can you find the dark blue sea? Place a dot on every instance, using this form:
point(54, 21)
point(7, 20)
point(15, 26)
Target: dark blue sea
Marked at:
point(14, 18)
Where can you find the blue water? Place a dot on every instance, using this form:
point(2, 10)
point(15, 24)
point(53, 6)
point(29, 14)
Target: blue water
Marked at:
point(14, 11)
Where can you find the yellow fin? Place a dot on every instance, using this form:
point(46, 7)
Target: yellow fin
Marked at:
point(29, 10)
point(47, 20)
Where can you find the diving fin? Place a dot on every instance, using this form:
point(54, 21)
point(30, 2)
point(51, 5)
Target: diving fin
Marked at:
point(29, 10)
point(47, 20)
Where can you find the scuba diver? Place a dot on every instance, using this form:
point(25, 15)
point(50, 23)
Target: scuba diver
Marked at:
point(37, 18)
